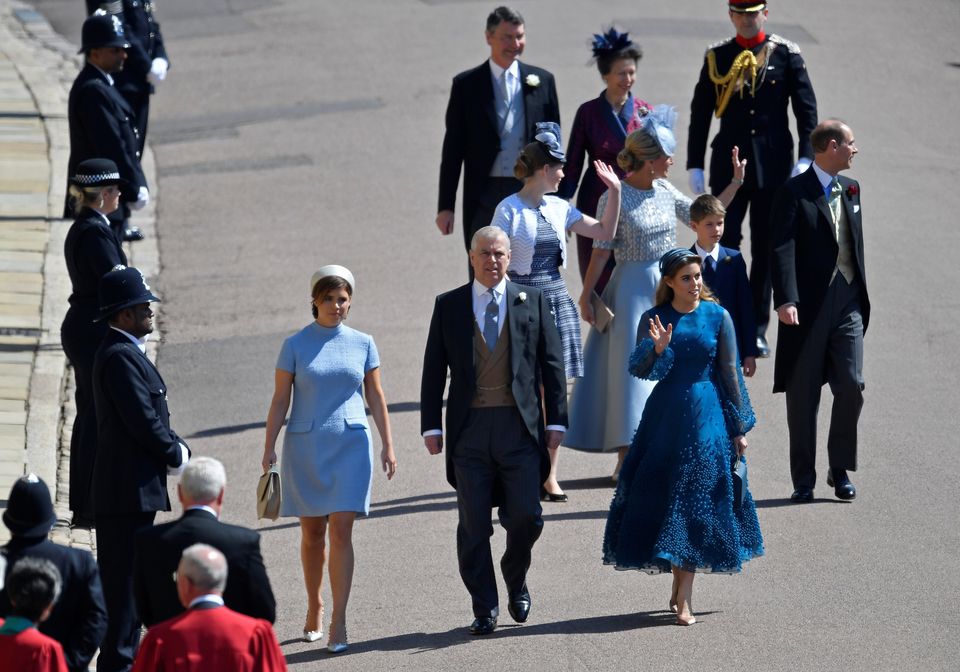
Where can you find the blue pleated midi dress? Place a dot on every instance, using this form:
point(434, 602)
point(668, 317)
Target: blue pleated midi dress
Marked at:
point(327, 461)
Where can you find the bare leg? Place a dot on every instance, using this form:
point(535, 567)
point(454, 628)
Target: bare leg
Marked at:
point(684, 595)
point(341, 571)
point(621, 453)
point(551, 485)
point(674, 589)
point(313, 529)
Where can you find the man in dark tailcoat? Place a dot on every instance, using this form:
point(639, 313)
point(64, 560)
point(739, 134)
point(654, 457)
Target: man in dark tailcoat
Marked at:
point(135, 451)
point(102, 123)
point(820, 291)
point(500, 344)
point(147, 61)
point(492, 114)
point(748, 82)
point(79, 618)
point(201, 490)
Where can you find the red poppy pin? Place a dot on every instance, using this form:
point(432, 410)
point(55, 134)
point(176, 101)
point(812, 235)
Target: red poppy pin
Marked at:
point(853, 190)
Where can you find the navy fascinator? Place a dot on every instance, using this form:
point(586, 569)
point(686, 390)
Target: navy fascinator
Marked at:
point(610, 42)
point(548, 135)
point(675, 258)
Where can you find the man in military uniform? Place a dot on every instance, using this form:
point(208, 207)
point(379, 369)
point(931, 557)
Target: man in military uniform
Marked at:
point(136, 450)
point(102, 123)
point(747, 82)
point(147, 61)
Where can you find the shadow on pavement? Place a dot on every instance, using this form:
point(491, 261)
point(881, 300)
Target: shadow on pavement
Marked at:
point(432, 641)
point(597, 483)
point(785, 501)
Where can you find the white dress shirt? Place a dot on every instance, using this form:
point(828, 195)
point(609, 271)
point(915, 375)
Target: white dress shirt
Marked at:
point(715, 252)
point(209, 597)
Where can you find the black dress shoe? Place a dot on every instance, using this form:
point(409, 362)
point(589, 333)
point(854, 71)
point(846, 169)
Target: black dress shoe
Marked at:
point(763, 350)
point(842, 487)
point(552, 496)
point(802, 495)
point(483, 625)
point(519, 606)
point(132, 235)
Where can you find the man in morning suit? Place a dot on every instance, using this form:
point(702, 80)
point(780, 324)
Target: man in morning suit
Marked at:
point(136, 449)
point(147, 62)
point(747, 82)
point(499, 342)
point(102, 123)
point(78, 619)
point(158, 549)
point(208, 636)
point(492, 114)
point(820, 291)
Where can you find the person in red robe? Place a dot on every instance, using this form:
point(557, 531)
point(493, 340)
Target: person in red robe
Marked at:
point(33, 586)
point(208, 636)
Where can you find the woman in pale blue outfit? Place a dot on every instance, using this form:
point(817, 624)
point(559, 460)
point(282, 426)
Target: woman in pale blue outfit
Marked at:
point(538, 225)
point(674, 509)
point(606, 404)
point(327, 466)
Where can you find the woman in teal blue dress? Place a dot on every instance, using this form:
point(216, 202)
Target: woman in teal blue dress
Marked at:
point(674, 508)
point(327, 465)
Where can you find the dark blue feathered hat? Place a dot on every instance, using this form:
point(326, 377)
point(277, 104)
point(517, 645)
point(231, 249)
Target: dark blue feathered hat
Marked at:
point(673, 259)
point(610, 42)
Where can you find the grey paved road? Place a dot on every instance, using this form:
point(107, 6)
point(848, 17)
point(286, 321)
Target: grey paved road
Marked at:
point(296, 133)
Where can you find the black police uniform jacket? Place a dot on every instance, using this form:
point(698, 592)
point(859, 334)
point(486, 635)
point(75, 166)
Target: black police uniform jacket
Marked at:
point(135, 443)
point(90, 251)
point(79, 617)
point(102, 126)
point(757, 124)
point(142, 31)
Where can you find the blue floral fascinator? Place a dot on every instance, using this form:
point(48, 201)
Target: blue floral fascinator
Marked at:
point(548, 135)
point(659, 124)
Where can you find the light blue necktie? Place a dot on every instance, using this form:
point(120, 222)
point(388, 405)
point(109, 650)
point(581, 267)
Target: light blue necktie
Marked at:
point(491, 318)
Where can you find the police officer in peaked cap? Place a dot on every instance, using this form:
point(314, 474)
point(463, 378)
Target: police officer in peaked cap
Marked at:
point(102, 123)
point(136, 450)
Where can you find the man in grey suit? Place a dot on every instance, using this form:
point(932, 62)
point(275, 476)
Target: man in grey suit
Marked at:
point(820, 291)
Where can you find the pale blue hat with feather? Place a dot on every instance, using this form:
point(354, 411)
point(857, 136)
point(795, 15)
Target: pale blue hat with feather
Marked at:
point(659, 125)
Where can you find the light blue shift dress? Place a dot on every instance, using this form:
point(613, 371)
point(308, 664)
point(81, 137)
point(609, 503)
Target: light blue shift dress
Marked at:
point(327, 460)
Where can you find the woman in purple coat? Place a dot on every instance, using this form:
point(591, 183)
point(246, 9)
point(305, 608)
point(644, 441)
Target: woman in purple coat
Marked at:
point(600, 129)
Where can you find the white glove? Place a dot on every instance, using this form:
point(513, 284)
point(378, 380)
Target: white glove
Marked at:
point(801, 166)
point(158, 71)
point(184, 461)
point(696, 180)
point(143, 199)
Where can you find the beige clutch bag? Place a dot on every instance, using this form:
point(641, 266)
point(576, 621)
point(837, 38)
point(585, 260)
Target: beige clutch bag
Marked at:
point(268, 494)
point(602, 315)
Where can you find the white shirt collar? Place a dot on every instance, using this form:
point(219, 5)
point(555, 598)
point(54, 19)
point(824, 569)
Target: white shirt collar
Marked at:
point(106, 75)
point(497, 71)
point(715, 253)
point(203, 507)
point(139, 342)
point(479, 289)
point(209, 597)
point(105, 218)
point(822, 175)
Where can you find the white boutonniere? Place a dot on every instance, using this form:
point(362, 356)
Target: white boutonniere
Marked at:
point(532, 81)
point(522, 295)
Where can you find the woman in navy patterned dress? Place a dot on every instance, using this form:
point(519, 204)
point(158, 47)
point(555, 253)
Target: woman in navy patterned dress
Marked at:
point(537, 225)
point(674, 508)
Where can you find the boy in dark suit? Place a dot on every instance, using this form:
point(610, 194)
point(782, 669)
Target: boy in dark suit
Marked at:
point(725, 273)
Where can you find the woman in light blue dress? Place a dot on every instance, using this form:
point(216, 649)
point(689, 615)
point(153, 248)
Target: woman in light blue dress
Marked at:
point(606, 404)
point(327, 465)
